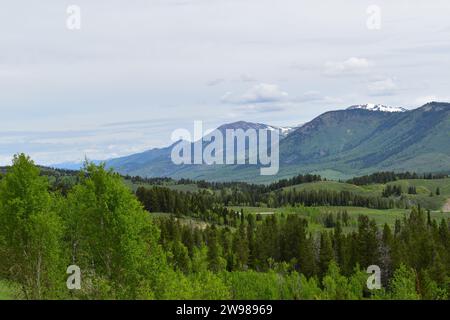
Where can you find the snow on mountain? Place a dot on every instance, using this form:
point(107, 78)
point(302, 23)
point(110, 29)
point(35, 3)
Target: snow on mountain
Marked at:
point(377, 107)
point(286, 130)
point(283, 130)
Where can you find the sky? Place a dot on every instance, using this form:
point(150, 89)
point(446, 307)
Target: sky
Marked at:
point(137, 70)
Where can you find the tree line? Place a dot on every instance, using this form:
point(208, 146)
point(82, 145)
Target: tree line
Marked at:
point(243, 186)
point(206, 204)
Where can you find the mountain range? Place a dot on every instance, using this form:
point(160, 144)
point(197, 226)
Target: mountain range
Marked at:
point(337, 144)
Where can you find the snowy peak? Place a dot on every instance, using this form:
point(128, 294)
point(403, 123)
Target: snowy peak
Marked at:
point(377, 107)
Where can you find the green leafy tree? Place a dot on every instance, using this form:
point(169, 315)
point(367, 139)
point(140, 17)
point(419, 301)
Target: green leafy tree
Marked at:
point(30, 232)
point(180, 257)
point(111, 237)
point(309, 288)
point(403, 284)
point(339, 287)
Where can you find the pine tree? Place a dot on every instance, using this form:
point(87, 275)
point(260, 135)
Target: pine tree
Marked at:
point(325, 254)
point(240, 247)
point(385, 254)
point(338, 244)
point(368, 248)
point(307, 257)
point(215, 261)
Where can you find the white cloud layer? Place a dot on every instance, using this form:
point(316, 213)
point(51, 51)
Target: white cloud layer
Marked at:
point(170, 61)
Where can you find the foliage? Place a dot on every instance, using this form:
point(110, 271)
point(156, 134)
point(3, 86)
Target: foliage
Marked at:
point(99, 225)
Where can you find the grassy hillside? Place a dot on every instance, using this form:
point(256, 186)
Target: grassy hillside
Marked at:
point(329, 134)
point(424, 189)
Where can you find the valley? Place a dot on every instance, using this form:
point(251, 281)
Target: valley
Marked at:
point(436, 204)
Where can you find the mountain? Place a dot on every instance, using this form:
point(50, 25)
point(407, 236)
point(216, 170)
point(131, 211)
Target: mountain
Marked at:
point(357, 141)
point(377, 107)
point(337, 144)
point(152, 163)
point(158, 162)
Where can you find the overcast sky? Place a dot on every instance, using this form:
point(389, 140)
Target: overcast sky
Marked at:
point(137, 70)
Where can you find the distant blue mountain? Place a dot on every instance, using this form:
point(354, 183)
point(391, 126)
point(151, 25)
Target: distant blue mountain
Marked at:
point(73, 165)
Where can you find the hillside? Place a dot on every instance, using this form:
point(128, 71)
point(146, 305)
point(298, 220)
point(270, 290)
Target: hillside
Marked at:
point(425, 190)
point(337, 144)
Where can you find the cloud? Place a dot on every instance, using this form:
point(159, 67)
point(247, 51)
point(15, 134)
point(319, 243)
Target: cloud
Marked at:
point(247, 78)
point(420, 101)
point(55, 79)
point(310, 96)
point(98, 143)
point(260, 93)
point(384, 87)
point(264, 98)
point(215, 82)
point(349, 67)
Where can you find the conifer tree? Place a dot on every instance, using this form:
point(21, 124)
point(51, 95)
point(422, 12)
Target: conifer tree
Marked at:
point(326, 253)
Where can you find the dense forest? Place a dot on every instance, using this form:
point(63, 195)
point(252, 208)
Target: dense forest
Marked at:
point(124, 251)
point(163, 199)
